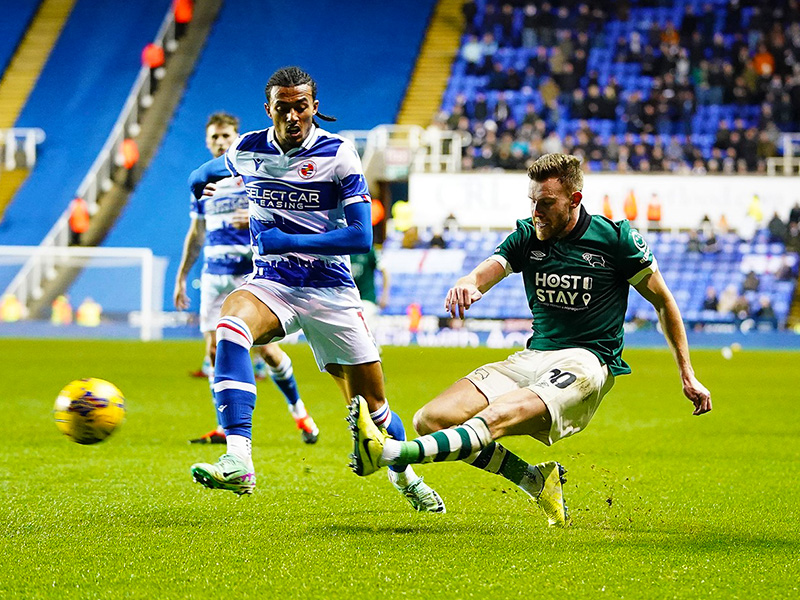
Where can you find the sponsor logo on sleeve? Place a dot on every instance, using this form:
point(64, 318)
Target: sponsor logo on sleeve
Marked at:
point(641, 246)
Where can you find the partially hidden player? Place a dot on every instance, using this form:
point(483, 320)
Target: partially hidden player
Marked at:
point(220, 228)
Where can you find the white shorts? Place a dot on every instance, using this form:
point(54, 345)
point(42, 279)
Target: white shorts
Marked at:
point(332, 320)
point(570, 382)
point(213, 291)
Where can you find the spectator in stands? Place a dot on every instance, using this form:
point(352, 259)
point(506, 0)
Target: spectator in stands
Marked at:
point(777, 228)
point(410, 238)
point(751, 282)
point(502, 110)
point(437, 239)
point(183, 11)
point(765, 148)
point(763, 61)
point(546, 31)
point(469, 10)
point(505, 19)
point(748, 149)
point(688, 24)
point(794, 214)
point(706, 20)
point(480, 108)
point(710, 301)
point(786, 271)
point(793, 238)
point(498, 78)
point(472, 53)
point(486, 160)
point(79, 219)
point(669, 35)
point(765, 313)
point(727, 299)
point(741, 309)
point(529, 39)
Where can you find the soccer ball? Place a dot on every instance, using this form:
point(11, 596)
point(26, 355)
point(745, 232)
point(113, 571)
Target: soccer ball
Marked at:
point(87, 411)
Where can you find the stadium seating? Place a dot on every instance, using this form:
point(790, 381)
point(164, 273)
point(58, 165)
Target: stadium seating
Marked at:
point(688, 279)
point(76, 101)
point(215, 86)
point(16, 17)
point(607, 63)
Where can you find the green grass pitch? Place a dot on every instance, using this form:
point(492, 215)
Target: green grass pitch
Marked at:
point(665, 505)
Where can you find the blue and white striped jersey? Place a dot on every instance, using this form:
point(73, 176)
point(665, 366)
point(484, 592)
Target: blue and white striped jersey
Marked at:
point(227, 249)
point(301, 191)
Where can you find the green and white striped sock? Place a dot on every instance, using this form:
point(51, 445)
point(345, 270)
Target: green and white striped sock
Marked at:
point(497, 459)
point(457, 443)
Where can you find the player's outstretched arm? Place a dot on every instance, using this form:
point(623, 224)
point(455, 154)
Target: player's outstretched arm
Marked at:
point(209, 172)
point(355, 238)
point(655, 290)
point(192, 245)
point(470, 288)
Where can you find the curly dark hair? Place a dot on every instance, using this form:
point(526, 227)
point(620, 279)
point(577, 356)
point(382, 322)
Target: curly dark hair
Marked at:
point(292, 77)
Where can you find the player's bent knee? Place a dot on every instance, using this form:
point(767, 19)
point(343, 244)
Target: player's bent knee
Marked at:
point(427, 421)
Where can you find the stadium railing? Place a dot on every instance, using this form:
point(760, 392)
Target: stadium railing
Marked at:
point(789, 163)
point(16, 139)
point(99, 178)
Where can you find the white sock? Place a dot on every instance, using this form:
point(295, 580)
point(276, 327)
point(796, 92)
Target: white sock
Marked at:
point(297, 410)
point(402, 479)
point(241, 447)
point(391, 452)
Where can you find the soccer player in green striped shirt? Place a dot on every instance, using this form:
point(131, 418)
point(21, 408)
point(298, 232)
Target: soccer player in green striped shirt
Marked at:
point(577, 269)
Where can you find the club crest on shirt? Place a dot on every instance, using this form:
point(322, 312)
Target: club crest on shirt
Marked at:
point(594, 260)
point(307, 169)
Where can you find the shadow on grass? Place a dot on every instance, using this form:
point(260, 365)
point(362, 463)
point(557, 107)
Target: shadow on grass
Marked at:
point(429, 528)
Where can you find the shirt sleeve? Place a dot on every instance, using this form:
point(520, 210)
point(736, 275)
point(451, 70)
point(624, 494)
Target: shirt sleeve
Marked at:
point(635, 259)
point(350, 175)
point(511, 250)
point(231, 157)
point(197, 207)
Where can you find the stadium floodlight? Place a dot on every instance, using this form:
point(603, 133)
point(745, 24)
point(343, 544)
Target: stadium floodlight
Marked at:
point(41, 264)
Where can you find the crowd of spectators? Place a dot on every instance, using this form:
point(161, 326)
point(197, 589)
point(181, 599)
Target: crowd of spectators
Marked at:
point(742, 54)
point(748, 302)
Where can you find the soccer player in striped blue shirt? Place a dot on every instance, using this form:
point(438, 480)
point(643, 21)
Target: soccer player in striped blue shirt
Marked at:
point(309, 209)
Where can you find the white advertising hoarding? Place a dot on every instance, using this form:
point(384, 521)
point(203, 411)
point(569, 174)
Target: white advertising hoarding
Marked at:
point(496, 200)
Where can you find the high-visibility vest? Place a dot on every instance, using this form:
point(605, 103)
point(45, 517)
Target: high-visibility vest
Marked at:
point(631, 212)
point(130, 153)
point(654, 211)
point(153, 56)
point(414, 312)
point(183, 10)
point(378, 212)
point(88, 314)
point(607, 212)
point(10, 309)
point(62, 311)
point(79, 216)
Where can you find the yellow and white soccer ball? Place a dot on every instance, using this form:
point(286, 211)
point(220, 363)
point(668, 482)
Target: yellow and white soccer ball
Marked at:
point(87, 411)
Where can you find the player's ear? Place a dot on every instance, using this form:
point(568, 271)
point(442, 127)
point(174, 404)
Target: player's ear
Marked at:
point(316, 106)
point(575, 200)
point(267, 110)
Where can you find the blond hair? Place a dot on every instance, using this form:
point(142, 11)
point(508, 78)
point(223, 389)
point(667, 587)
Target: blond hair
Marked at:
point(564, 167)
